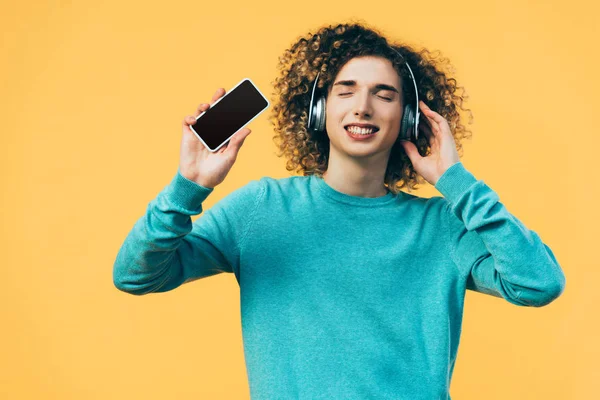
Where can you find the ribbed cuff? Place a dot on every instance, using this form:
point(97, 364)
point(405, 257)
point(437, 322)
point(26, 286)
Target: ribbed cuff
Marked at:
point(186, 193)
point(454, 182)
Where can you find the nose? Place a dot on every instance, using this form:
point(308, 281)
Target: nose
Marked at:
point(362, 104)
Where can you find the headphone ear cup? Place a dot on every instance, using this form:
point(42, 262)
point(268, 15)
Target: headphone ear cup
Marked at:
point(407, 124)
point(312, 115)
point(316, 116)
point(316, 109)
point(320, 114)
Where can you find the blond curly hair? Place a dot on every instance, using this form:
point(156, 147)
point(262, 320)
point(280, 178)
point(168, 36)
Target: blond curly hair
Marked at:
point(327, 51)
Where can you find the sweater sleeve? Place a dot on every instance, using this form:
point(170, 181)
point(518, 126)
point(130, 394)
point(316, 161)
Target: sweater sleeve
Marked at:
point(165, 249)
point(492, 248)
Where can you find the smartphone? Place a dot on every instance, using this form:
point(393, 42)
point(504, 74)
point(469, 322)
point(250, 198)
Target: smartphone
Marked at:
point(215, 126)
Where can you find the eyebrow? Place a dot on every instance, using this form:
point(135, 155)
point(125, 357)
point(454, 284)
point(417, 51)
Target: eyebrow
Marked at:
point(379, 86)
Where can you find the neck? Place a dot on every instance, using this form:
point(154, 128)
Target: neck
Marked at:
point(357, 177)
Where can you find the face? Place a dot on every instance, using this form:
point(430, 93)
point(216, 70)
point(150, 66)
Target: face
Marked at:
point(366, 90)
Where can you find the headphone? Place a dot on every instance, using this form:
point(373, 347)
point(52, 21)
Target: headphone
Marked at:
point(409, 126)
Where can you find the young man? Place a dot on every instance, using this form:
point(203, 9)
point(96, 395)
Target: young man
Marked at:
point(349, 288)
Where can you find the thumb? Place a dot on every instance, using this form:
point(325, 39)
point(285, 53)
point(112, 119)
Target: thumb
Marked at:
point(238, 139)
point(188, 120)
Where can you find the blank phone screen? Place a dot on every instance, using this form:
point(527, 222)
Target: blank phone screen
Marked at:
point(227, 116)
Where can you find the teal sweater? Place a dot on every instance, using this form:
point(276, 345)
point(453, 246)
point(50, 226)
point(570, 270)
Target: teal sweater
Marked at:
point(343, 297)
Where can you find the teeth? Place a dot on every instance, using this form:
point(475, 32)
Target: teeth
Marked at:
point(360, 131)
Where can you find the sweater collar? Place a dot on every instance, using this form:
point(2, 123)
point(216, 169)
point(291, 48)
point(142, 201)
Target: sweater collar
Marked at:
point(340, 197)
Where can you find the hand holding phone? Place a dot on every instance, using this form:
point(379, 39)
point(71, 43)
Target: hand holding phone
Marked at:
point(229, 114)
point(196, 162)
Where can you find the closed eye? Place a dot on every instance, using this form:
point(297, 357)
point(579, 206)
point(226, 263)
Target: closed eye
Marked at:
point(386, 98)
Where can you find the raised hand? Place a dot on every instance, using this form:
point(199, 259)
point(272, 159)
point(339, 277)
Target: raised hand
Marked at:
point(200, 165)
point(443, 148)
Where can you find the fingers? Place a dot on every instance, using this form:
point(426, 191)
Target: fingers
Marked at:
point(433, 118)
point(441, 122)
point(201, 108)
point(427, 128)
point(430, 113)
point(189, 120)
point(205, 106)
point(218, 94)
point(425, 125)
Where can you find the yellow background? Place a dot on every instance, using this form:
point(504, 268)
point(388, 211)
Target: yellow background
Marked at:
point(93, 96)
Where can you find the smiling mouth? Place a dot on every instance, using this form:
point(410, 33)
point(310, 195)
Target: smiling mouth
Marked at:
point(361, 131)
point(359, 136)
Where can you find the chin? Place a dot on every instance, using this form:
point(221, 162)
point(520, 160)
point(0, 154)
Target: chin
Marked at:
point(354, 151)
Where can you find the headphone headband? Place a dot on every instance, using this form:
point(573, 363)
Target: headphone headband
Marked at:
point(412, 76)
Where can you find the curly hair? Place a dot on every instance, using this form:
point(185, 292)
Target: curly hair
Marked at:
point(327, 51)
